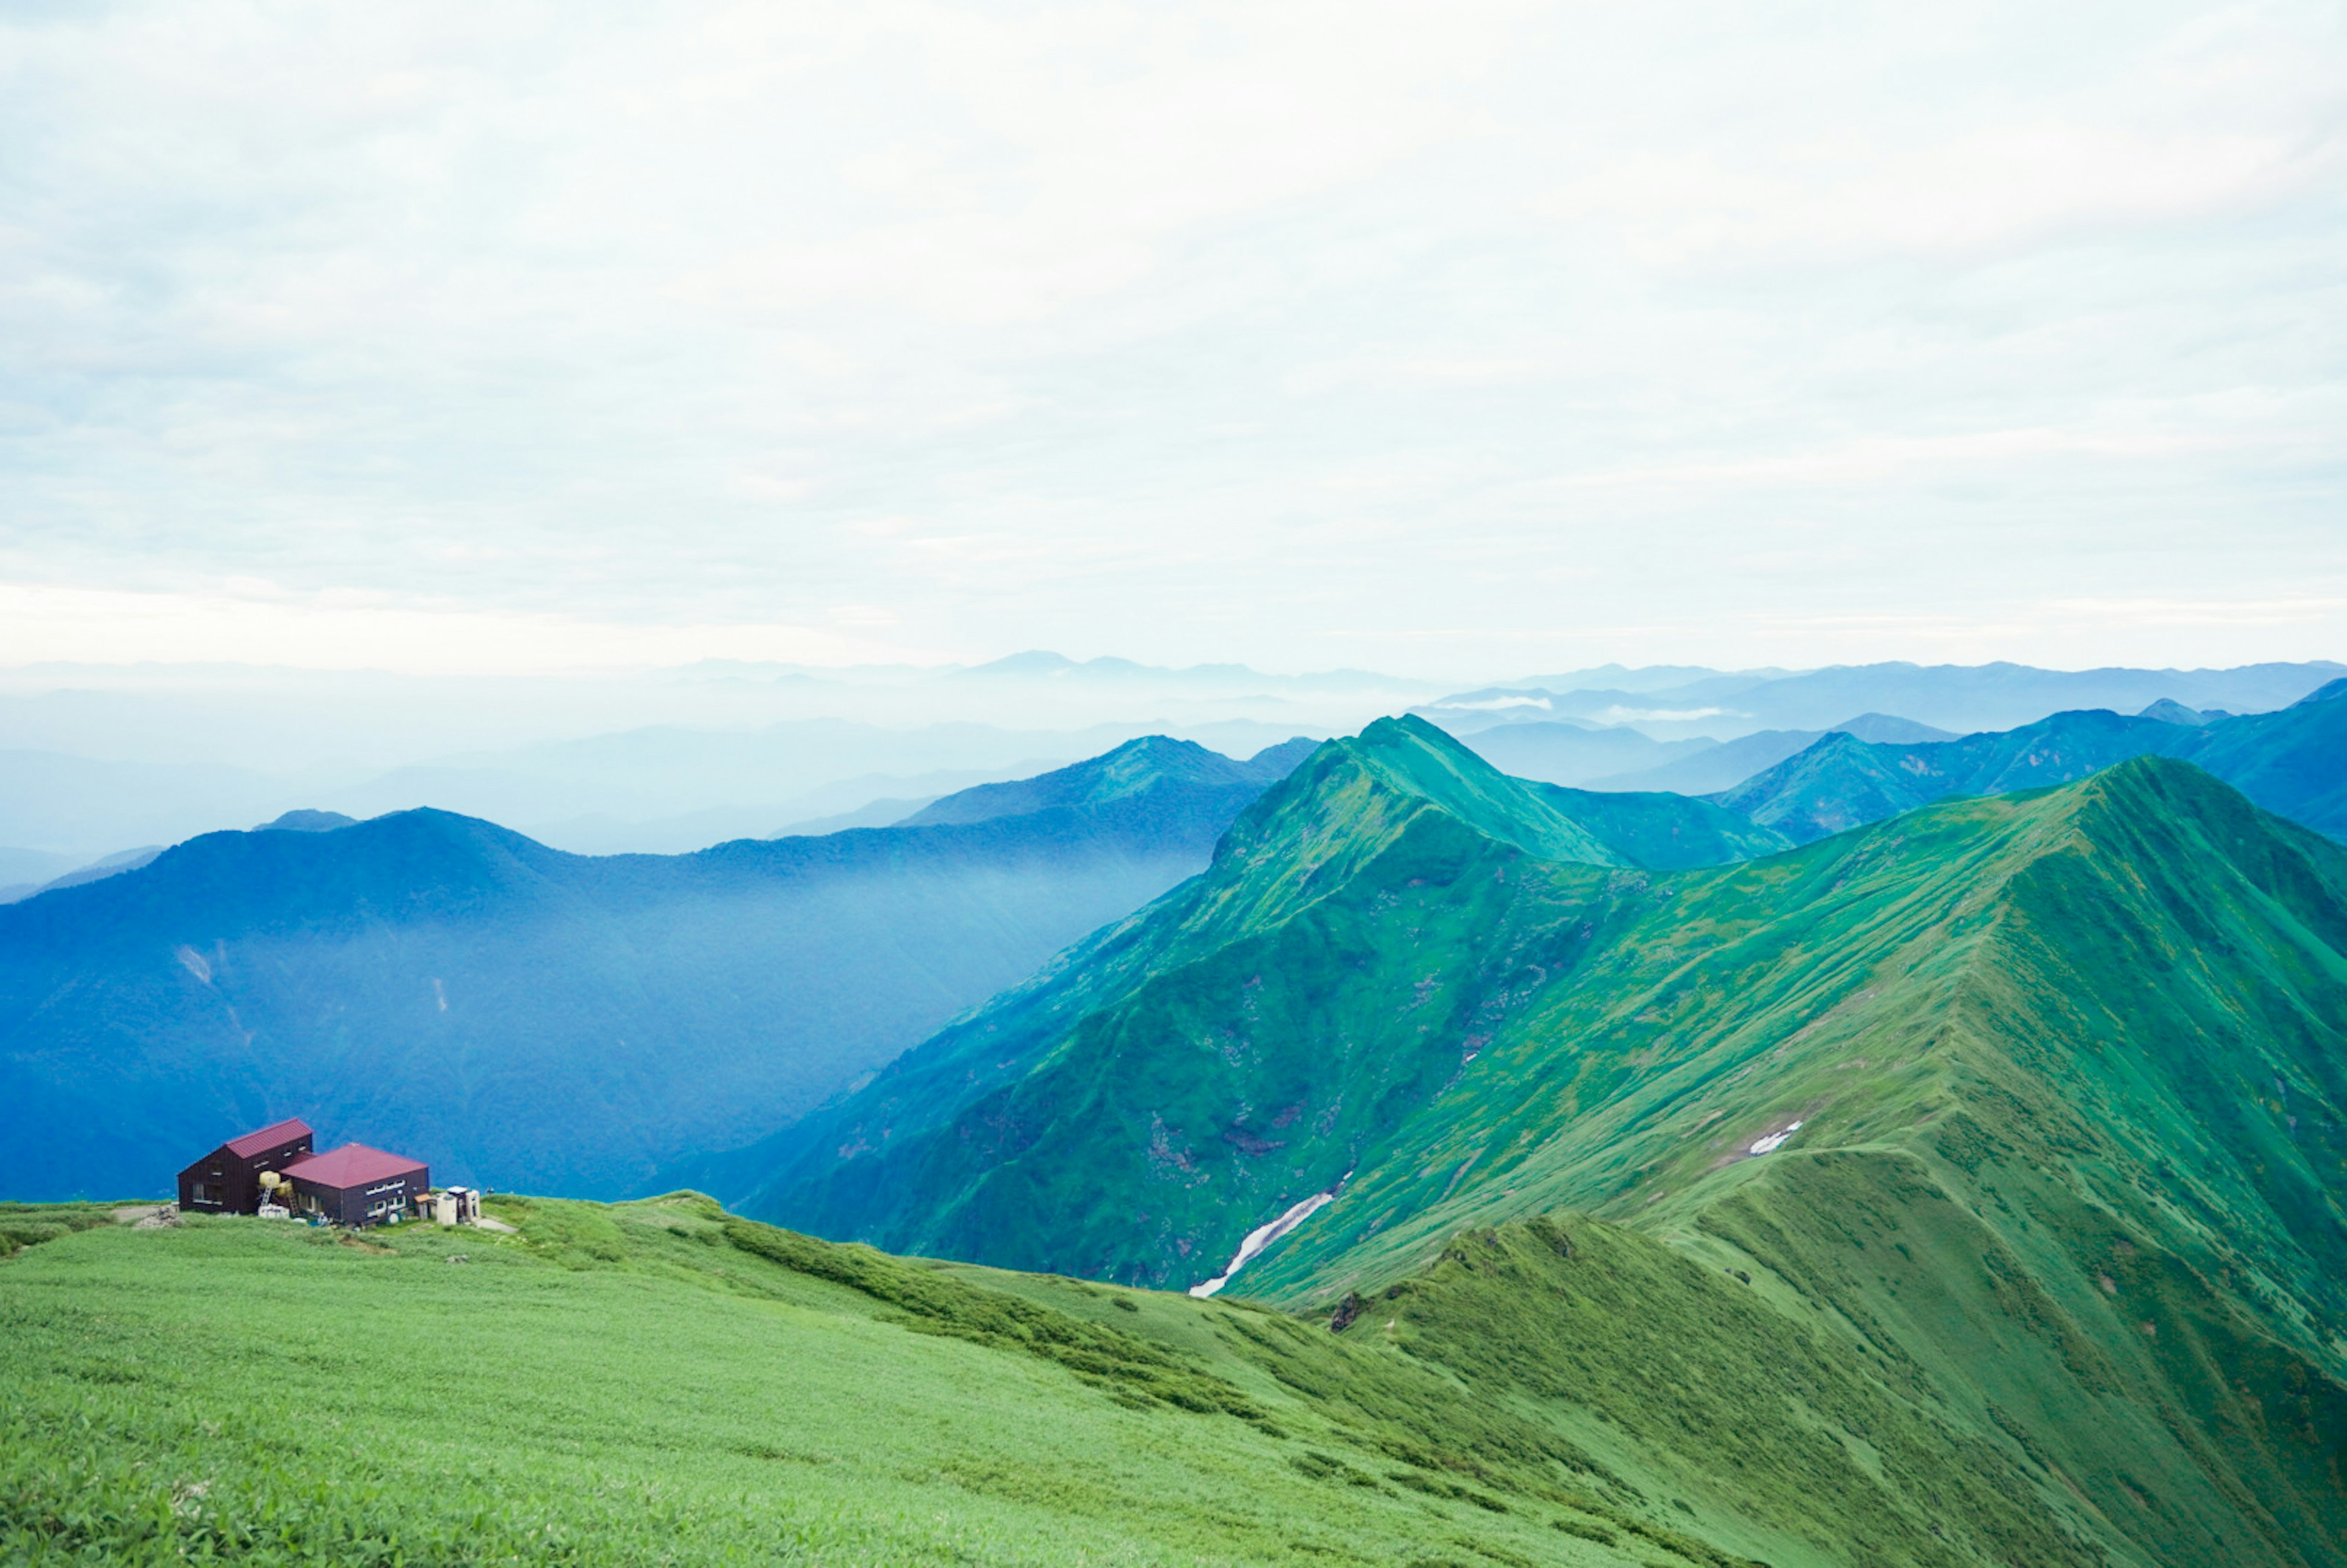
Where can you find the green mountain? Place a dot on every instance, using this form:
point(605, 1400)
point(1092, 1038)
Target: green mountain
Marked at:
point(1968, 1188)
point(2293, 761)
point(515, 1016)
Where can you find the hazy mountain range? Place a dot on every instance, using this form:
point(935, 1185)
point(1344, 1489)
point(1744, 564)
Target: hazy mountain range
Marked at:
point(99, 762)
point(2294, 762)
point(532, 1018)
point(95, 760)
point(1619, 757)
point(1955, 698)
point(662, 789)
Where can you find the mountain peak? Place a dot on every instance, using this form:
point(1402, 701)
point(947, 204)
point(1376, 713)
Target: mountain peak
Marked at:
point(1890, 730)
point(2168, 791)
point(2168, 710)
point(1034, 661)
point(307, 821)
point(1415, 757)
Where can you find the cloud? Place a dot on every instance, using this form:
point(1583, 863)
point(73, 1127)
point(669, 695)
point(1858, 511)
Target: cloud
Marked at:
point(1495, 705)
point(41, 624)
point(1222, 331)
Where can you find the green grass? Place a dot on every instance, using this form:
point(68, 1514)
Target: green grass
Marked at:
point(29, 1225)
point(635, 1385)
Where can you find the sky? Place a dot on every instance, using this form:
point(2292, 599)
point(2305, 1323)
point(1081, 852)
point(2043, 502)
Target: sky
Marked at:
point(1473, 339)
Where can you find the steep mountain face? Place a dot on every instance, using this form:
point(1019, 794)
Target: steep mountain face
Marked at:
point(2017, 1126)
point(1372, 807)
point(2293, 761)
point(526, 1017)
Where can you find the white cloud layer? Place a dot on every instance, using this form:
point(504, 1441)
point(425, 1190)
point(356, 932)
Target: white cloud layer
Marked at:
point(1470, 336)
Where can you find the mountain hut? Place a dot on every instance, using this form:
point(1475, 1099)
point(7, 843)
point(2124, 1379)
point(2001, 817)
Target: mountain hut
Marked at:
point(356, 1185)
point(228, 1180)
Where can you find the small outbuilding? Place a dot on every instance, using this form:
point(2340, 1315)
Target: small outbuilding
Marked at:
point(356, 1185)
point(228, 1180)
point(456, 1206)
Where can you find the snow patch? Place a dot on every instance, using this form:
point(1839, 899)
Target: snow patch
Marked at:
point(1263, 1236)
point(1773, 1140)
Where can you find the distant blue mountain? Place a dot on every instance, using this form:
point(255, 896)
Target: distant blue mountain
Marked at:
point(2293, 761)
point(1566, 752)
point(522, 1017)
point(1178, 783)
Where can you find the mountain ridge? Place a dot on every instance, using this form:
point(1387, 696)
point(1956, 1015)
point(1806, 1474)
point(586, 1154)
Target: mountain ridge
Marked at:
point(2292, 761)
point(2038, 1101)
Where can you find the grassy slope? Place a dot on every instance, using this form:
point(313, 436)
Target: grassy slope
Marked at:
point(2070, 1066)
point(650, 1383)
point(2075, 1103)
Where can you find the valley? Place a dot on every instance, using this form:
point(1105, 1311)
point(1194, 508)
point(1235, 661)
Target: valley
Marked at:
point(548, 1020)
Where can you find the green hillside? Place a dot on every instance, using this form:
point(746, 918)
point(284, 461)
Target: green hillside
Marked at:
point(657, 1382)
point(2067, 1066)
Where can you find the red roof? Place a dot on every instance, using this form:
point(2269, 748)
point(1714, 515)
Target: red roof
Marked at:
point(268, 1138)
point(351, 1166)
